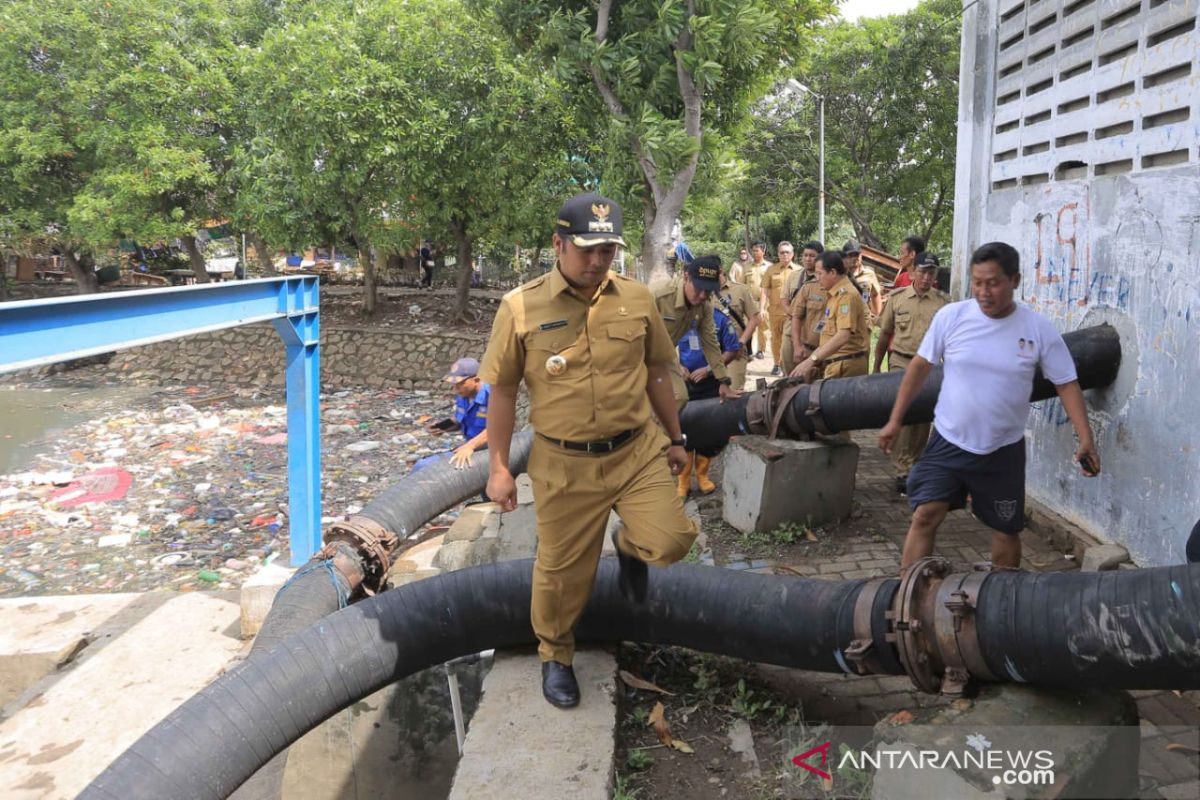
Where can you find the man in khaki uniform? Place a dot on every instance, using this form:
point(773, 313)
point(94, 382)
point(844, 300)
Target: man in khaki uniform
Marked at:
point(754, 275)
point(596, 359)
point(807, 311)
point(867, 280)
point(737, 272)
point(685, 299)
point(906, 317)
point(741, 305)
point(798, 277)
point(774, 281)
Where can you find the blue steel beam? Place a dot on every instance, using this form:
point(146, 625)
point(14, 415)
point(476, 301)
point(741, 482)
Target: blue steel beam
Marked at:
point(34, 333)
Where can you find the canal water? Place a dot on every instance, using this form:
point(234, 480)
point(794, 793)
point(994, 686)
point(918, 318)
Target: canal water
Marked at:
point(31, 418)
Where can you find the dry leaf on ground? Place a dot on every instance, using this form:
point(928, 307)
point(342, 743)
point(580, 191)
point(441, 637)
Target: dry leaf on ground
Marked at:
point(812, 537)
point(901, 718)
point(629, 679)
point(1182, 747)
point(663, 729)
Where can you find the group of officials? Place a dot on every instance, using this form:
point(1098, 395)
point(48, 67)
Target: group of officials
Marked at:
point(609, 362)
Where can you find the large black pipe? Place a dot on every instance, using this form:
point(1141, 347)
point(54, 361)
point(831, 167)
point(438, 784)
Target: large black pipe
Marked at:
point(407, 505)
point(1129, 630)
point(866, 401)
point(324, 584)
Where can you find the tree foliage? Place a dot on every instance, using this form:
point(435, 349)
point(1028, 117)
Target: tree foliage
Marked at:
point(890, 86)
point(663, 80)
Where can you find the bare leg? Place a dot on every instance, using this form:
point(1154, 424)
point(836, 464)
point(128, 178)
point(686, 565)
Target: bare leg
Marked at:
point(1006, 550)
point(925, 521)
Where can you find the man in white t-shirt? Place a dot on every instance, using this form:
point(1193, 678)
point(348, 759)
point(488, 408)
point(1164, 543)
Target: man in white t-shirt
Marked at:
point(989, 348)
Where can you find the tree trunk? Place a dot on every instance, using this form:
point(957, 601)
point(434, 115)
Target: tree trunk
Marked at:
point(535, 265)
point(8, 260)
point(746, 230)
point(462, 292)
point(366, 260)
point(196, 259)
point(84, 275)
point(656, 246)
point(262, 255)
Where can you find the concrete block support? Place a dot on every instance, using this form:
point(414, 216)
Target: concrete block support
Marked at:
point(770, 482)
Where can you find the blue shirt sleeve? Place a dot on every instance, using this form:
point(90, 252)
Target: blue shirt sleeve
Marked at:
point(728, 336)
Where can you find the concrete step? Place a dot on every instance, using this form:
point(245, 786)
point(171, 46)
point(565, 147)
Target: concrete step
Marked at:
point(144, 655)
point(519, 745)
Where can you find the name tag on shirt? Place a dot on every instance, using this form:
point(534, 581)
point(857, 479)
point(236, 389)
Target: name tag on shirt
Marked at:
point(693, 341)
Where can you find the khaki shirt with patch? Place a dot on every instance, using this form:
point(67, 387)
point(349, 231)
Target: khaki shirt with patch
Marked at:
point(907, 316)
point(607, 340)
point(673, 307)
point(773, 282)
point(796, 279)
point(870, 284)
point(845, 311)
point(742, 301)
point(809, 308)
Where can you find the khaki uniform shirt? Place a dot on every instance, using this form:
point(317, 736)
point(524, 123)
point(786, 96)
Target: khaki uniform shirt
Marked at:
point(870, 284)
point(908, 316)
point(607, 341)
point(795, 279)
point(773, 282)
point(737, 273)
point(673, 307)
point(754, 274)
point(743, 303)
point(809, 307)
point(845, 311)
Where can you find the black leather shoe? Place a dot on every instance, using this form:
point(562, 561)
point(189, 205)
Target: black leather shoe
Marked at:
point(633, 575)
point(559, 686)
point(902, 484)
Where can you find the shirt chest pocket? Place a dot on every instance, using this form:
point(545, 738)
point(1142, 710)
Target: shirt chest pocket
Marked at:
point(619, 346)
point(544, 357)
point(903, 321)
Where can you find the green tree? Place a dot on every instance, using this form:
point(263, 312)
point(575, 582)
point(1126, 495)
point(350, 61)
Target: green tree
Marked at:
point(115, 120)
point(891, 101)
point(664, 80)
point(377, 123)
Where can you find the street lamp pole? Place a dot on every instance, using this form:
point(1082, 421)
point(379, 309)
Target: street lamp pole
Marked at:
point(821, 157)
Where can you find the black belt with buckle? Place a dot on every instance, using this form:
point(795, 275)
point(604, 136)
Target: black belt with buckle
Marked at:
point(602, 446)
point(906, 355)
point(828, 361)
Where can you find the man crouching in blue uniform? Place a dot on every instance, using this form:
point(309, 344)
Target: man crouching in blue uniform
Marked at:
point(470, 415)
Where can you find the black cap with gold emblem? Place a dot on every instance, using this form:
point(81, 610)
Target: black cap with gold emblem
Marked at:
point(705, 273)
point(589, 219)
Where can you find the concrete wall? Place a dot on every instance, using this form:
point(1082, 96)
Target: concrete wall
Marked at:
point(1079, 143)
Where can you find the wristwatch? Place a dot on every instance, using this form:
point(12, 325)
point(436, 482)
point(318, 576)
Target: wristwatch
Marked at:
point(727, 381)
point(680, 442)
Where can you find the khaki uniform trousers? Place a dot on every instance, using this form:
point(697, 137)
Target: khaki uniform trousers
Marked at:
point(778, 322)
point(760, 334)
point(787, 350)
point(737, 369)
point(573, 493)
point(910, 442)
point(679, 387)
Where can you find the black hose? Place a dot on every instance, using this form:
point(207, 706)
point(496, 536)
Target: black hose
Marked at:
point(1135, 629)
point(1120, 630)
point(866, 401)
point(218, 738)
point(318, 589)
point(407, 505)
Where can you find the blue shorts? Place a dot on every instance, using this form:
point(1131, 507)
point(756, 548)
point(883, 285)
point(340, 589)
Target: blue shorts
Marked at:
point(995, 482)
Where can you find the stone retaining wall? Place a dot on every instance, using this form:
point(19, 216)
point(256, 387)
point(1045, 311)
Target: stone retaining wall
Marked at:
point(253, 355)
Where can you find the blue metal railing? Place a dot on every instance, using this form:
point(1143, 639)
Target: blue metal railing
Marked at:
point(35, 333)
